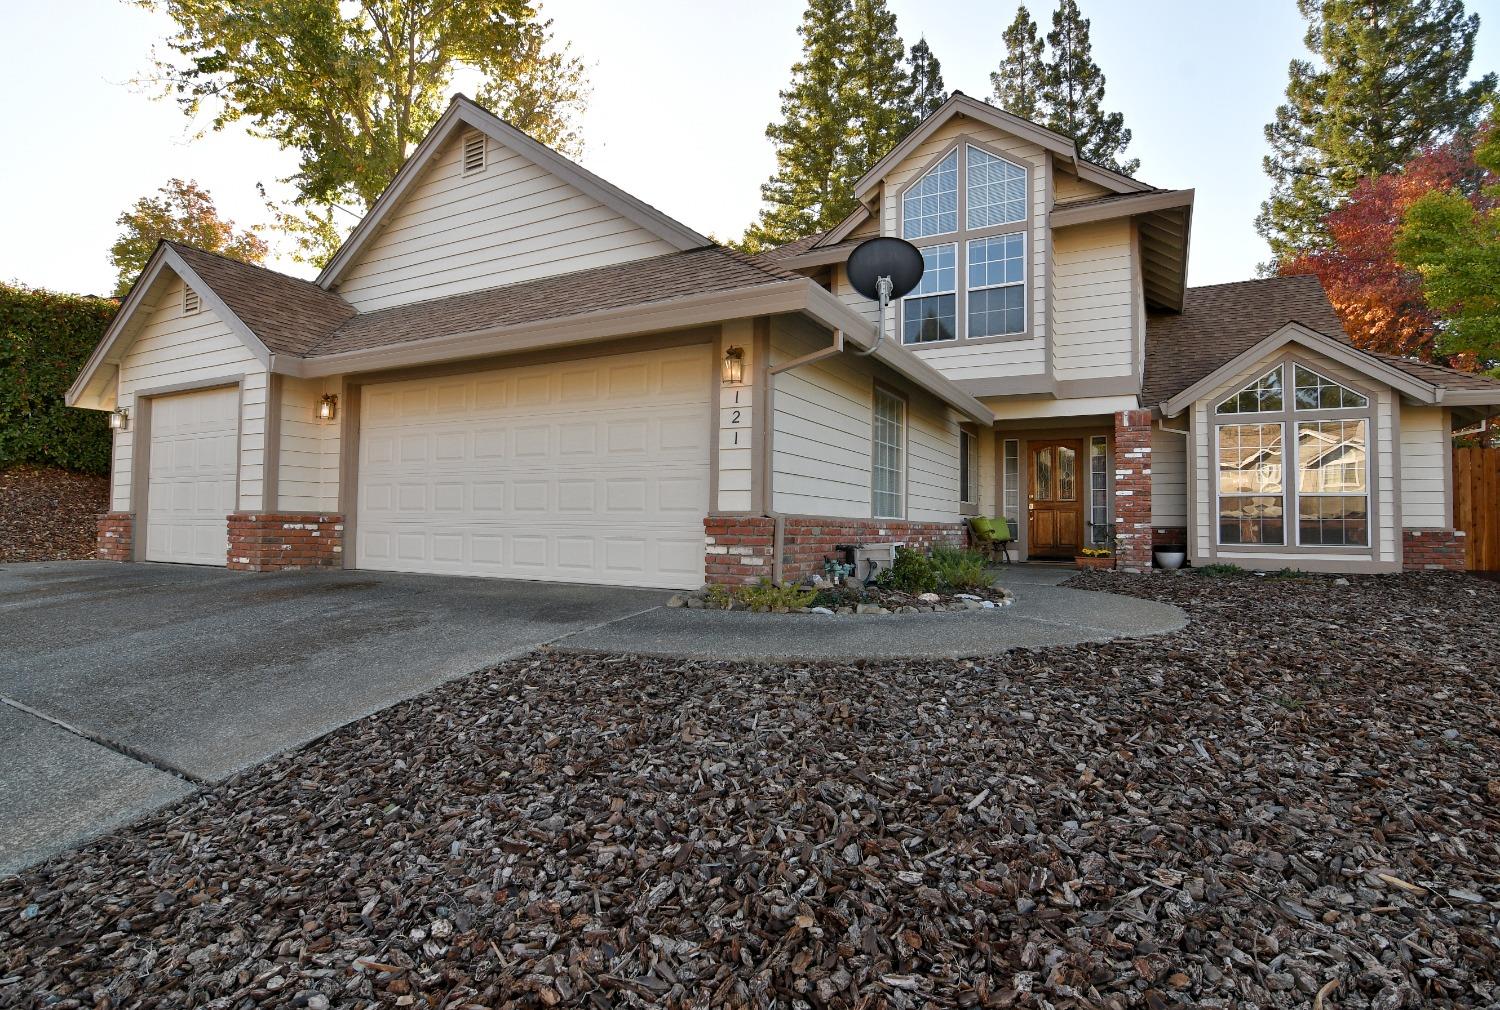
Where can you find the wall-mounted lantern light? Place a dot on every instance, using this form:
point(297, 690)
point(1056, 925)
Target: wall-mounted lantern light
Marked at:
point(734, 366)
point(328, 407)
point(119, 419)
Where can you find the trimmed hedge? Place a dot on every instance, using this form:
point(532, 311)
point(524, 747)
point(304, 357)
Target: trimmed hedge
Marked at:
point(45, 338)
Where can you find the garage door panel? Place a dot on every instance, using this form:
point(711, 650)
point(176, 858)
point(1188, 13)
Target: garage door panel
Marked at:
point(192, 476)
point(595, 471)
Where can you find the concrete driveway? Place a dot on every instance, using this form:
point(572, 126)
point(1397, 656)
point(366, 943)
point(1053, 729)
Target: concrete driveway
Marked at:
point(125, 687)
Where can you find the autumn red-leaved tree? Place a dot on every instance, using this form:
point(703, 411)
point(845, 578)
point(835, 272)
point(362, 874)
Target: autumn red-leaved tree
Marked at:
point(1379, 301)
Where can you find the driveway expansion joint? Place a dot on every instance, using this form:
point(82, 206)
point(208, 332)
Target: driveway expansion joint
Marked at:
point(124, 750)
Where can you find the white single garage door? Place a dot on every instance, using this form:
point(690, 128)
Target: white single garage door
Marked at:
point(194, 463)
point(591, 470)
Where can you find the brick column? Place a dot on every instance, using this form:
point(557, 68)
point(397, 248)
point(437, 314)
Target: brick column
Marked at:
point(115, 537)
point(285, 541)
point(1133, 490)
point(1433, 550)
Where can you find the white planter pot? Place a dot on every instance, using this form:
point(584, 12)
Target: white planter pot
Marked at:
point(1169, 561)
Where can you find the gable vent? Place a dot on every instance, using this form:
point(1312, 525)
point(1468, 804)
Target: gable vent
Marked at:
point(190, 301)
point(474, 145)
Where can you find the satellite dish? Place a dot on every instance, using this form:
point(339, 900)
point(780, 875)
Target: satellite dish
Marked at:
point(883, 269)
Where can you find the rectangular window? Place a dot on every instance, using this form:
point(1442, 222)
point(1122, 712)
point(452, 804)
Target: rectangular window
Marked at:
point(1010, 494)
point(997, 286)
point(1099, 530)
point(968, 467)
point(888, 436)
point(929, 312)
point(1333, 498)
point(1252, 495)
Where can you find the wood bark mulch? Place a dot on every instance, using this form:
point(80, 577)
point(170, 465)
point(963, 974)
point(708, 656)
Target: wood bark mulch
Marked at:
point(1292, 803)
point(48, 514)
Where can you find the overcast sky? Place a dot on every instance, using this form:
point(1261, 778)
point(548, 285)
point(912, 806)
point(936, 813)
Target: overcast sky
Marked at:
point(683, 90)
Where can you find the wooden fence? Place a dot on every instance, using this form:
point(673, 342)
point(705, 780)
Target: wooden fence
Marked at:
point(1476, 505)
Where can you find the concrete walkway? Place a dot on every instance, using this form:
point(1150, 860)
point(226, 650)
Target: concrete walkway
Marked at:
point(1044, 614)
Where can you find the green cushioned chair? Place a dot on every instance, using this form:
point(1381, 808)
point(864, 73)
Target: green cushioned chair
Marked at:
point(992, 536)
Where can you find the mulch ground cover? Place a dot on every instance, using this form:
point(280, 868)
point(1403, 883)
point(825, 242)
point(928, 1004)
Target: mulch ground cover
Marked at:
point(47, 514)
point(1294, 802)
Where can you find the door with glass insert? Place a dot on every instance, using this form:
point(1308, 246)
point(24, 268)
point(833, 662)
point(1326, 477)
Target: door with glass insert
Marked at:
point(1056, 504)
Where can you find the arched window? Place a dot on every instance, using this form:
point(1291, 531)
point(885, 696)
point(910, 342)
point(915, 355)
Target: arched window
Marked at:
point(1307, 456)
point(975, 256)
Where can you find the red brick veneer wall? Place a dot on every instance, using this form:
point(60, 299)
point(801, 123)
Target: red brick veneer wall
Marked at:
point(1433, 550)
point(1133, 491)
point(1169, 536)
point(114, 537)
point(285, 541)
point(740, 550)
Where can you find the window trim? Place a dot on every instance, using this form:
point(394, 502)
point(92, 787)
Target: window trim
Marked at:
point(968, 466)
point(1288, 418)
point(963, 236)
point(969, 289)
point(958, 201)
point(879, 389)
point(1008, 487)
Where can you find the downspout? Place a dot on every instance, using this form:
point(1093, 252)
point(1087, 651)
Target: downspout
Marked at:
point(834, 349)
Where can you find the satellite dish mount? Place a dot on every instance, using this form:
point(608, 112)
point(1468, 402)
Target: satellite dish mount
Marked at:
point(884, 269)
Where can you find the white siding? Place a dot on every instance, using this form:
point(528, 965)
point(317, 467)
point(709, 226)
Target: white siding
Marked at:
point(1425, 456)
point(175, 349)
point(308, 457)
point(511, 222)
point(1093, 327)
point(821, 450)
point(1067, 187)
point(1385, 535)
point(1168, 478)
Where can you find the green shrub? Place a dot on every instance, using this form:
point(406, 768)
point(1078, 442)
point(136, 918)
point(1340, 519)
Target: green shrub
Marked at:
point(1219, 571)
point(45, 339)
point(768, 595)
point(958, 568)
point(913, 572)
point(717, 597)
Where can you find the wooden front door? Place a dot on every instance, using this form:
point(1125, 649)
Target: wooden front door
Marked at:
point(1056, 499)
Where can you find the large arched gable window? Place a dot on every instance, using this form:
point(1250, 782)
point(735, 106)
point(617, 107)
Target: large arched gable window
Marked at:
point(1305, 456)
point(971, 207)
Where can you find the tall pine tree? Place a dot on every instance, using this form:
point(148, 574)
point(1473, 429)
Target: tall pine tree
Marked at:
point(927, 90)
point(851, 99)
point(1387, 80)
point(1073, 93)
point(807, 190)
point(1017, 85)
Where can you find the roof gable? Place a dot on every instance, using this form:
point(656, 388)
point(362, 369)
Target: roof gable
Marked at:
point(522, 153)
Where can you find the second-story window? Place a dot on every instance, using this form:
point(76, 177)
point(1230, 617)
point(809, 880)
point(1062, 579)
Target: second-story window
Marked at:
point(975, 255)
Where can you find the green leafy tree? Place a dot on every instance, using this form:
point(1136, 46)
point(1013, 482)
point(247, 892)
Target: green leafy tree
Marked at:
point(927, 89)
point(1387, 80)
point(183, 212)
point(808, 190)
point(352, 87)
point(1073, 93)
point(1452, 240)
point(878, 92)
point(1019, 82)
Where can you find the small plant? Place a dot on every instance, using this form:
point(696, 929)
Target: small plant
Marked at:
point(912, 572)
point(958, 568)
point(836, 571)
point(767, 595)
point(1290, 573)
point(1219, 571)
point(1097, 552)
point(717, 597)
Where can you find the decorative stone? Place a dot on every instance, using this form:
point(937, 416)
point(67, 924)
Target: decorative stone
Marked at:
point(929, 597)
point(820, 610)
point(870, 608)
point(676, 601)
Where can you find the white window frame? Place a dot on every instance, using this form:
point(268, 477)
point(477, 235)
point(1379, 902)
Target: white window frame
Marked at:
point(915, 297)
point(1367, 494)
point(1010, 483)
point(970, 287)
point(1101, 528)
point(887, 397)
point(968, 467)
point(912, 193)
point(968, 185)
point(1219, 487)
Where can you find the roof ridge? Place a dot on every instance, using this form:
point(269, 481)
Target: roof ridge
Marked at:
point(175, 244)
point(1257, 280)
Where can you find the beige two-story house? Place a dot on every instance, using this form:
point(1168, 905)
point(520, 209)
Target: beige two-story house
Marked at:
point(514, 369)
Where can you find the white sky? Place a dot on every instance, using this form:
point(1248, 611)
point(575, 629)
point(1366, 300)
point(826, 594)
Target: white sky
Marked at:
point(683, 91)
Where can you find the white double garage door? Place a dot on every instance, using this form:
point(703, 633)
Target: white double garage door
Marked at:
point(591, 470)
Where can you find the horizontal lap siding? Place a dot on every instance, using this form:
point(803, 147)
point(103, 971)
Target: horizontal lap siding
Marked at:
point(511, 222)
point(172, 349)
point(1424, 468)
point(308, 458)
point(1168, 479)
point(1092, 331)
